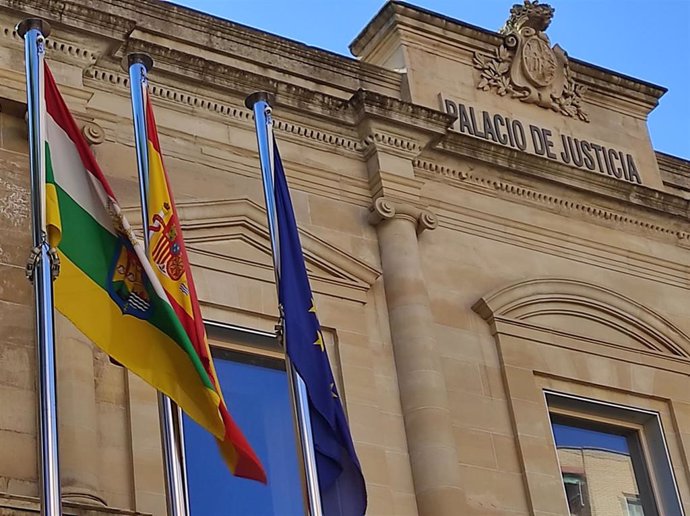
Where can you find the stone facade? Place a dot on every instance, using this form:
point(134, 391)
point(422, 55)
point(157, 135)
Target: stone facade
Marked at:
point(457, 275)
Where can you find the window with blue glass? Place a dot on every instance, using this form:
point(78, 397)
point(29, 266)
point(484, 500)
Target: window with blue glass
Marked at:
point(613, 459)
point(602, 467)
point(255, 386)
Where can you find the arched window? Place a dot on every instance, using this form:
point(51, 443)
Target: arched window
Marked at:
point(597, 386)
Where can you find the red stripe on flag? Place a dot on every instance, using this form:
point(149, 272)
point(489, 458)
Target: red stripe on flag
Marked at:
point(247, 465)
point(56, 107)
point(159, 245)
point(160, 253)
point(166, 254)
point(193, 326)
point(246, 462)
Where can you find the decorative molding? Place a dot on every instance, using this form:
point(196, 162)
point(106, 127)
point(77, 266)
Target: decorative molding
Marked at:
point(209, 223)
point(548, 172)
point(527, 301)
point(546, 199)
point(386, 209)
point(675, 171)
point(404, 147)
point(365, 104)
point(525, 67)
point(407, 146)
point(96, 19)
point(238, 81)
point(370, 102)
point(240, 114)
point(93, 133)
point(123, 19)
point(559, 241)
point(18, 505)
point(67, 49)
point(53, 44)
point(320, 136)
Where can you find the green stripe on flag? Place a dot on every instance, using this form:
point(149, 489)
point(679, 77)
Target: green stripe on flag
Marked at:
point(92, 249)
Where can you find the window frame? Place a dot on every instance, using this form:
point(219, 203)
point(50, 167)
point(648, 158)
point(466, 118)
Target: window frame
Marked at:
point(254, 347)
point(244, 340)
point(582, 488)
point(632, 500)
point(644, 430)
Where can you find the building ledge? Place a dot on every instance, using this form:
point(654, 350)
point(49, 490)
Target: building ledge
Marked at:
point(17, 505)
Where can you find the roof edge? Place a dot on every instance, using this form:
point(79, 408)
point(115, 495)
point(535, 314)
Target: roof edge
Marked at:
point(392, 8)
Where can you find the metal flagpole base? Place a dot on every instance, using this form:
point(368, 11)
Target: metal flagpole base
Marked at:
point(27, 24)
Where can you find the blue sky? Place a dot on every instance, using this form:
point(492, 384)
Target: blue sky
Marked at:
point(643, 39)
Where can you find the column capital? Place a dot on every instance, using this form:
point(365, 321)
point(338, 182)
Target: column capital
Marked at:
point(384, 209)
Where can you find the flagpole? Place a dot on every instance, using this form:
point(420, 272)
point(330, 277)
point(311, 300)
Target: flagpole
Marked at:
point(138, 64)
point(259, 103)
point(42, 268)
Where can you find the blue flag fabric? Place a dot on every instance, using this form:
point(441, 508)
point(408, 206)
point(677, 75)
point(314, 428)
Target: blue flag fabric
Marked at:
point(343, 491)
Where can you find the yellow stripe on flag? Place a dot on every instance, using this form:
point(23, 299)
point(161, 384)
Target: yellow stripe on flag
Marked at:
point(159, 196)
point(147, 351)
point(53, 220)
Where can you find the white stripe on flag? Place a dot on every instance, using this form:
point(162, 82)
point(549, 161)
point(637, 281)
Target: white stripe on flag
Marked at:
point(71, 176)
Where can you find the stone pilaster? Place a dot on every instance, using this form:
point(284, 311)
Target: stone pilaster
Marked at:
point(77, 416)
point(423, 395)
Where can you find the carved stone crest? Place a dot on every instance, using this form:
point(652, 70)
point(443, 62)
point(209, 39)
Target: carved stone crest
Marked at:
point(539, 62)
point(526, 67)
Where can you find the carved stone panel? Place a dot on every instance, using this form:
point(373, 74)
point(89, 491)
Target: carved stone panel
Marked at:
point(526, 67)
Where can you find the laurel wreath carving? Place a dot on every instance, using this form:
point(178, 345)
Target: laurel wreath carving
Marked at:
point(494, 72)
point(569, 101)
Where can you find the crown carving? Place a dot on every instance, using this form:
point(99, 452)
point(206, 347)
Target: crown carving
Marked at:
point(530, 14)
point(527, 68)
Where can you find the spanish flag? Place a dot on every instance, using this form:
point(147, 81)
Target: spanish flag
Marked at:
point(110, 292)
point(168, 258)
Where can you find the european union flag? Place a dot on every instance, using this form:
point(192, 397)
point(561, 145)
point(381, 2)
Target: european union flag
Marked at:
point(343, 491)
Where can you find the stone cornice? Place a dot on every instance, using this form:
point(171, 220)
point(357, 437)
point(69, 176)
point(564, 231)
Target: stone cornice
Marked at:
point(86, 17)
point(405, 13)
point(395, 144)
point(675, 171)
point(119, 18)
point(361, 104)
point(654, 202)
point(560, 203)
point(137, 26)
point(68, 50)
point(105, 79)
point(17, 505)
point(233, 38)
point(394, 126)
point(417, 120)
point(374, 105)
point(238, 81)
